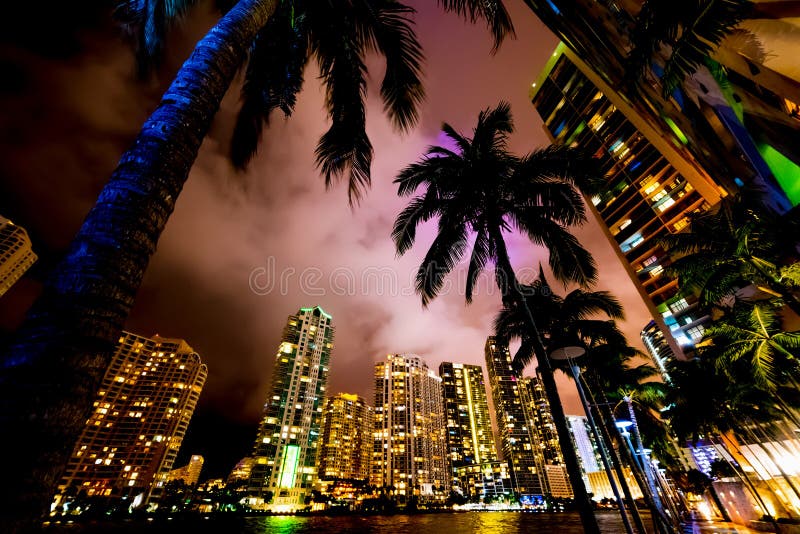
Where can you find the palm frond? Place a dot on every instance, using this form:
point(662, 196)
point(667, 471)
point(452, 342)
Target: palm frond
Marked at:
point(419, 210)
point(491, 11)
point(387, 29)
point(568, 260)
point(345, 148)
point(147, 22)
point(273, 78)
point(445, 252)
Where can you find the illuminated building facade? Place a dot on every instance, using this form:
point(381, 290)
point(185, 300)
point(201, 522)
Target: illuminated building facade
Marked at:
point(545, 436)
point(484, 482)
point(410, 450)
point(657, 346)
point(16, 254)
point(740, 122)
point(469, 428)
point(285, 452)
point(189, 473)
point(520, 447)
point(142, 411)
point(345, 452)
point(653, 185)
point(585, 446)
point(241, 471)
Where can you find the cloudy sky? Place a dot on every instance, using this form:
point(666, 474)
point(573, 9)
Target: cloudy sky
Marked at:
point(245, 250)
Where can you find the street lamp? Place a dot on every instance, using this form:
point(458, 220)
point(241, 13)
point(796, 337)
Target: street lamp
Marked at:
point(570, 353)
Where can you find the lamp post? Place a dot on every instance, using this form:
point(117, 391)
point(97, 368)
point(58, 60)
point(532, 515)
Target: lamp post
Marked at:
point(569, 354)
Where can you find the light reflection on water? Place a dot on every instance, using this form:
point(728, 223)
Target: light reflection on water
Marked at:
point(455, 523)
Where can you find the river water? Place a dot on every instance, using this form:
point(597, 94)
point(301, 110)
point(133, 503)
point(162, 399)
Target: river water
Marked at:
point(444, 523)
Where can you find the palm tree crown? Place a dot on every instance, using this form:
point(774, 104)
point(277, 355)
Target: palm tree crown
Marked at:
point(479, 188)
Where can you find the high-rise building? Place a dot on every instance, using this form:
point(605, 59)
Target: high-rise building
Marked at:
point(189, 473)
point(657, 346)
point(142, 411)
point(739, 122)
point(469, 427)
point(410, 451)
point(525, 456)
point(484, 482)
point(652, 184)
point(16, 254)
point(585, 446)
point(345, 452)
point(285, 452)
point(545, 436)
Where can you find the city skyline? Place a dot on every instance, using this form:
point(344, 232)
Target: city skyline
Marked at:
point(226, 224)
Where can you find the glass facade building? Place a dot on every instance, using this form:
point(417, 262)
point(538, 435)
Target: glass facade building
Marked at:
point(652, 184)
point(285, 453)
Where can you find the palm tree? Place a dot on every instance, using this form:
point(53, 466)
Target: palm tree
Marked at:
point(51, 371)
point(479, 187)
point(690, 30)
point(566, 321)
point(739, 243)
point(752, 332)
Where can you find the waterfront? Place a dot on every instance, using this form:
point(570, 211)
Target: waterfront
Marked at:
point(446, 523)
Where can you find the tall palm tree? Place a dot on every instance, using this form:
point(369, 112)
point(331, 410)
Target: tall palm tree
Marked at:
point(690, 30)
point(567, 321)
point(739, 243)
point(54, 365)
point(479, 187)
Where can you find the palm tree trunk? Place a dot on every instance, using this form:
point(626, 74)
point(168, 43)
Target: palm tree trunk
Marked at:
point(615, 459)
point(512, 293)
point(51, 372)
point(601, 445)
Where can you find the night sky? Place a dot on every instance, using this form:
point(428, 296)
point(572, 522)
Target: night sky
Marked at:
point(70, 104)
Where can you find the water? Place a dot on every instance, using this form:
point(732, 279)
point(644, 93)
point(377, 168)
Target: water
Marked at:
point(445, 523)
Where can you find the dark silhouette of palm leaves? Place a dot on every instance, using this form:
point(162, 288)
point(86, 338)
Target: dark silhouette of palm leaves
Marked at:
point(562, 321)
point(739, 243)
point(479, 189)
point(339, 35)
point(692, 29)
point(752, 333)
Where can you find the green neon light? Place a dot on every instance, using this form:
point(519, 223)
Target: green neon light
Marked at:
point(677, 131)
point(289, 466)
point(786, 172)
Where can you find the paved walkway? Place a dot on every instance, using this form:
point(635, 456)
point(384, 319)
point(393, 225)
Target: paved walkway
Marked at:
point(705, 527)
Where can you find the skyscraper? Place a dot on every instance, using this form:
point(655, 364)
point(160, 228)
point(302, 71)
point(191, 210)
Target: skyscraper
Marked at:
point(652, 186)
point(16, 254)
point(410, 451)
point(345, 452)
point(545, 436)
point(142, 411)
point(285, 452)
point(739, 122)
point(469, 428)
point(520, 449)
